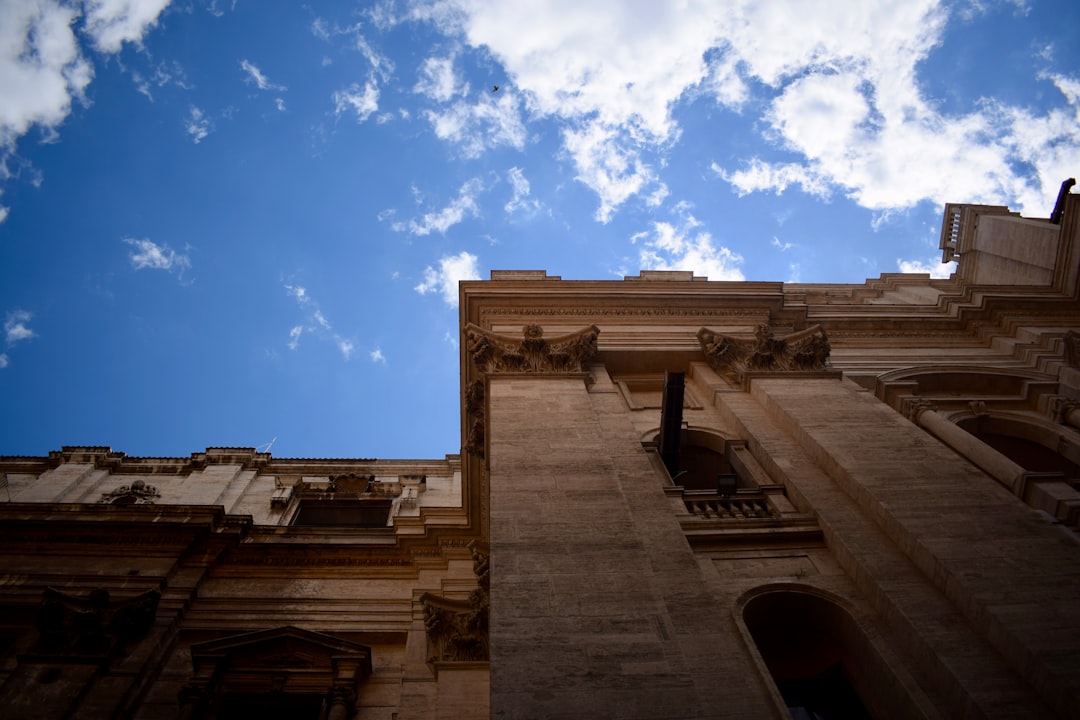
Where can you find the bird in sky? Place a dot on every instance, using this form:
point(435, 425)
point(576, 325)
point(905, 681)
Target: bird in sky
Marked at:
point(495, 89)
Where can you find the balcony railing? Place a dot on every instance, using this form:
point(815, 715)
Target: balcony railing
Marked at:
point(737, 507)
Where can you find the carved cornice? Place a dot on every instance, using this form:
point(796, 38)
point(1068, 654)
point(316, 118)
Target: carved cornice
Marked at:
point(628, 312)
point(734, 358)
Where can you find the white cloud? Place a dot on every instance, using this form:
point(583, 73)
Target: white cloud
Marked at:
point(438, 80)
point(3, 360)
point(839, 84)
point(4, 213)
point(493, 121)
point(778, 177)
point(41, 66)
point(148, 254)
point(111, 23)
point(377, 356)
point(317, 323)
point(611, 168)
point(440, 221)
point(444, 280)
point(363, 101)
point(15, 327)
point(256, 76)
point(782, 247)
point(279, 103)
point(294, 336)
point(933, 267)
point(197, 125)
point(520, 202)
point(685, 246)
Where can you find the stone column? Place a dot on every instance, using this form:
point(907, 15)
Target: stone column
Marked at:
point(1005, 471)
point(340, 699)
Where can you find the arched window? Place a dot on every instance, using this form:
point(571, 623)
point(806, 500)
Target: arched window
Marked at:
point(821, 662)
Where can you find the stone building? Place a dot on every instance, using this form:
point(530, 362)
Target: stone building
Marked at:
point(675, 499)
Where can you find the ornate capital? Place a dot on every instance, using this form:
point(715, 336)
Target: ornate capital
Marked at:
point(1061, 408)
point(914, 407)
point(458, 629)
point(733, 357)
point(493, 353)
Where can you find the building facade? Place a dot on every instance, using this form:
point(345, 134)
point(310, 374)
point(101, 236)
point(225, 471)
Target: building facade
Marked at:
point(674, 499)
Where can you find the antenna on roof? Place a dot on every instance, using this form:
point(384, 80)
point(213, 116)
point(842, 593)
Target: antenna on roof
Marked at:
point(266, 448)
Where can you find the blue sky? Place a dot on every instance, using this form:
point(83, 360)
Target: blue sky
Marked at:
point(237, 223)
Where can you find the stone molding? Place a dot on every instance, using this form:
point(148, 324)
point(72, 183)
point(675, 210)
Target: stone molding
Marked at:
point(734, 358)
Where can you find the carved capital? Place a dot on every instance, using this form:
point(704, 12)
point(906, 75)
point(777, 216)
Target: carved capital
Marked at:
point(1061, 408)
point(494, 353)
point(978, 408)
point(915, 407)
point(733, 357)
point(458, 629)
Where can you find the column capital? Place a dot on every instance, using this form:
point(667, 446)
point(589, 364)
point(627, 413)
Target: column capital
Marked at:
point(913, 408)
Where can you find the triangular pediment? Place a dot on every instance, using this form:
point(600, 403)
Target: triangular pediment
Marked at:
point(282, 648)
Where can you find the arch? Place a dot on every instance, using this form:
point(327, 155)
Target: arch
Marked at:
point(703, 458)
point(818, 660)
point(1035, 444)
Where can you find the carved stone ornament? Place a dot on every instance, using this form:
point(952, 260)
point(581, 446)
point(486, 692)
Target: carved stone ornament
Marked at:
point(138, 493)
point(476, 414)
point(458, 629)
point(733, 357)
point(93, 625)
point(493, 353)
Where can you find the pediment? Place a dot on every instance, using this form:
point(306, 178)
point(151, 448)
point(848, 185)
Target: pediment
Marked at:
point(284, 648)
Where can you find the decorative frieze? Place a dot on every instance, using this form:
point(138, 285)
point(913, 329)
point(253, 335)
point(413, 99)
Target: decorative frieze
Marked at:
point(734, 357)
